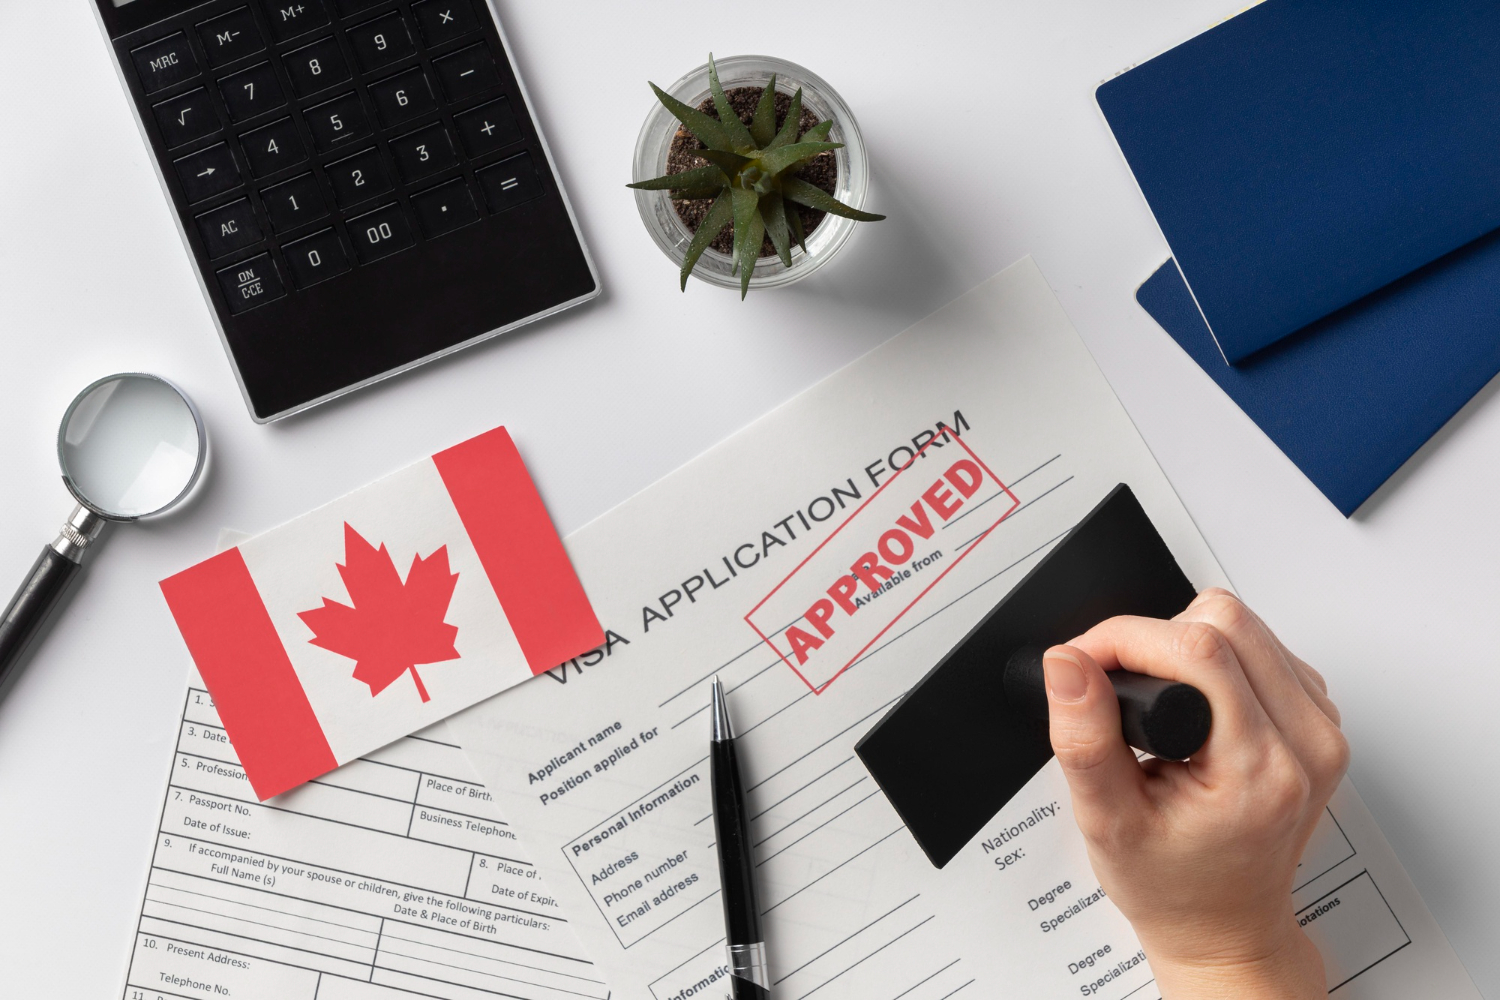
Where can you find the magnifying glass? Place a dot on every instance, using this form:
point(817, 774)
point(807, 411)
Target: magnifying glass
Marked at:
point(130, 446)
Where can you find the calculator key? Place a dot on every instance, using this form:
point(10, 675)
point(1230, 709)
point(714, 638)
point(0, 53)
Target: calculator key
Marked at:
point(165, 63)
point(315, 259)
point(274, 147)
point(230, 228)
point(403, 96)
point(251, 283)
point(380, 42)
point(207, 173)
point(380, 233)
point(423, 152)
point(185, 118)
point(316, 67)
point(444, 208)
point(294, 203)
point(337, 121)
point(444, 20)
point(347, 7)
point(488, 127)
point(290, 18)
point(467, 72)
point(359, 178)
point(252, 91)
point(510, 183)
point(231, 37)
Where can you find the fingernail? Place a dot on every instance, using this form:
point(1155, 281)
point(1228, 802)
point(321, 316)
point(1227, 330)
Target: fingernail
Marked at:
point(1065, 679)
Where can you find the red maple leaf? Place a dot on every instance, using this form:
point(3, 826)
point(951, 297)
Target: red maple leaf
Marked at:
point(392, 626)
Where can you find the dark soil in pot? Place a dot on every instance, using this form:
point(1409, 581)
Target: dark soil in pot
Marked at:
point(822, 171)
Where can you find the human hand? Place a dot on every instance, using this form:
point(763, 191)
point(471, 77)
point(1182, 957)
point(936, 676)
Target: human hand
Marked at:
point(1200, 856)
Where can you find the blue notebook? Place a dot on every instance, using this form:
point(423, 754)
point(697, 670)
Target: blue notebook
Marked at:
point(1309, 152)
point(1352, 397)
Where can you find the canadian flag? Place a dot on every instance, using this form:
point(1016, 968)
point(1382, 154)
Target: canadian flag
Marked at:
point(382, 612)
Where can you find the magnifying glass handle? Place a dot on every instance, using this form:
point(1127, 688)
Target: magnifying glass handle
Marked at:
point(44, 587)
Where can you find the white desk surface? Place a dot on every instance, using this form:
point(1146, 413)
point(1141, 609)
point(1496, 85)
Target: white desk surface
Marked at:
point(1399, 607)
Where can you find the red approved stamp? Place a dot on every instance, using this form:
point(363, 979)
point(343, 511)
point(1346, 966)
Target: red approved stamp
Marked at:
point(878, 563)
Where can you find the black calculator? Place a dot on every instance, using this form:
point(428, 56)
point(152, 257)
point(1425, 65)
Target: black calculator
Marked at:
point(361, 183)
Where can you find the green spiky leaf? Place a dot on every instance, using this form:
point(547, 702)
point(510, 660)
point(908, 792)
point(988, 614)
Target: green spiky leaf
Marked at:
point(798, 190)
point(733, 127)
point(745, 203)
point(750, 251)
point(709, 176)
point(778, 160)
point(729, 163)
point(696, 194)
point(773, 211)
point(794, 218)
point(708, 130)
point(720, 214)
point(763, 125)
point(789, 127)
point(818, 133)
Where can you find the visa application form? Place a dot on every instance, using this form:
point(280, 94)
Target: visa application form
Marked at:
point(390, 878)
point(820, 562)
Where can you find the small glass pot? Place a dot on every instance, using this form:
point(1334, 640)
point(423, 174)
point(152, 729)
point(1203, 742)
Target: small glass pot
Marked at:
point(655, 142)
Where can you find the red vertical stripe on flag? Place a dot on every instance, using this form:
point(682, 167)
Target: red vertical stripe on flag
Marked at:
point(255, 690)
point(519, 549)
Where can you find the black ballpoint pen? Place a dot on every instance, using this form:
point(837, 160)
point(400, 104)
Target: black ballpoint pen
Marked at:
point(744, 939)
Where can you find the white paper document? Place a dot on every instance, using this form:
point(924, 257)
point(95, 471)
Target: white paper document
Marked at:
point(820, 562)
point(391, 877)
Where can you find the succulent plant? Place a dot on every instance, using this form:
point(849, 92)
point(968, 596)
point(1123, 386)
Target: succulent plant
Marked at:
point(751, 175)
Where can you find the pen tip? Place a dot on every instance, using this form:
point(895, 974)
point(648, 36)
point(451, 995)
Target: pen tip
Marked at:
point(720, 710)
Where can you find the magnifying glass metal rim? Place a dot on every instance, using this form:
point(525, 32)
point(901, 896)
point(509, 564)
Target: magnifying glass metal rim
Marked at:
point(198, 461)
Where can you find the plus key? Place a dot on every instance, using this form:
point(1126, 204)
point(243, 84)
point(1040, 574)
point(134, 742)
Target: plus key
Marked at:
point(488, 127)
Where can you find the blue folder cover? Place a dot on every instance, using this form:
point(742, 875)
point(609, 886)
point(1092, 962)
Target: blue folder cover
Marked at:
point(1350, 398)
point(1308, 152)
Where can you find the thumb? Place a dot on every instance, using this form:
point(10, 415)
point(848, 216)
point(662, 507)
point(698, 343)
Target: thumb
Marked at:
point(1085, 726)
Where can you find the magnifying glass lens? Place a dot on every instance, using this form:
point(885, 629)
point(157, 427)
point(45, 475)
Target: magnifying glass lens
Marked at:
point(130, 446)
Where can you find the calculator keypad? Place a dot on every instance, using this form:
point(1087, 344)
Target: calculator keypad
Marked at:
point(381, 42)
point(292, 18)
point(467, 73)
point(337, 122)
point(165, 63)
point(295, 203)
point(316, 67)
point(208, 173)
point(402, 97)
point(380, 233)
point(441, 21)
point(510, 183)
point(488, 127)
point(183, 119)
point(314, 137)
point(359, 178)
point(445, 208)
point(230, 228)
point(251, 283)
point(274, 147)
point(252, 92)
point(424, 152)
point(231, 36)
point(317, 258)
point(347, 7)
